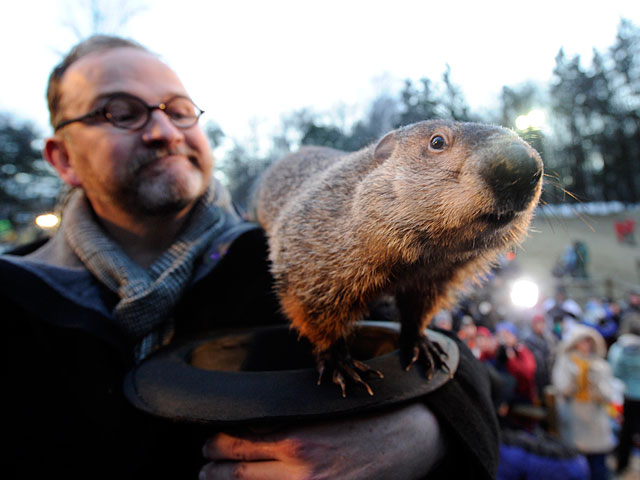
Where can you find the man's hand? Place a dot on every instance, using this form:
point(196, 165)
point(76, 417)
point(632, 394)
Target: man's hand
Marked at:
point(402, 443)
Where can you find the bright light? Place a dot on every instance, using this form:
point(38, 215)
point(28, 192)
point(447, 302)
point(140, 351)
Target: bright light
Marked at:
point(534, 119)
point(537, 118)
point(524, 293)
point(48, 220)
point(522, 122)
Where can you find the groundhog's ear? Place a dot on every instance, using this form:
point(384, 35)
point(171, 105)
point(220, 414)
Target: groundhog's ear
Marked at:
point(385, 147)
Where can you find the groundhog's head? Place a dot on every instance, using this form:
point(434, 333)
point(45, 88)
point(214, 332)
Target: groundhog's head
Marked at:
point(463, 186)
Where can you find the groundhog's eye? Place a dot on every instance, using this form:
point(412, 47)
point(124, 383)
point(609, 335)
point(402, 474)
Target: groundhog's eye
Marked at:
point(438, 142)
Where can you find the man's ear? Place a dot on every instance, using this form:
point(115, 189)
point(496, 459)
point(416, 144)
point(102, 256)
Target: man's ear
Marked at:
point(55, 152)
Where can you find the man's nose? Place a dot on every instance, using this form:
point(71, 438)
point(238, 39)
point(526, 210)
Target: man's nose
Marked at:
point(161, 129)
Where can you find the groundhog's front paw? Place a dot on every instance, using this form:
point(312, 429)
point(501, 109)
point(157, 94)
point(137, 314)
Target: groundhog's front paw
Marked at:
point(338, 363)
point(419, 348)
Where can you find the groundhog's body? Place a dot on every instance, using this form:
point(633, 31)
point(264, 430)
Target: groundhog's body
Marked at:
point(429, 206)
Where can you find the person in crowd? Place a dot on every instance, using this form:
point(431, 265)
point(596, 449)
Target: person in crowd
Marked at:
point(467, 332)
point(150, 251)
point(613, 309)
point(443, 319)
point(503, 384)
point(631, 305)
point(574, 261)
point(514, 357)
point(542, 344)
point(581, 260)
point(567, 263)
point(486, 343)
point(596, 315)
point(624, 357)
point(563, 311)
point(585, 385)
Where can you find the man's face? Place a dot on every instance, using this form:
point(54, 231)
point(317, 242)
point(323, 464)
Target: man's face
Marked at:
point(157, 170)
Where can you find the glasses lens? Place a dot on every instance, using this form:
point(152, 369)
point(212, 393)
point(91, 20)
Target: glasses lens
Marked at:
point(126, 112)
point(182, 111)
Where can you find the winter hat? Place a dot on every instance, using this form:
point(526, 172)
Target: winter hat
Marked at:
point(507, 326)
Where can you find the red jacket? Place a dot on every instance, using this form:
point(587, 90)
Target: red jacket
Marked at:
point(522, 366)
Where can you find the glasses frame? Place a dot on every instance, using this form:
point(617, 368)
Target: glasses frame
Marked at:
point(102, 112)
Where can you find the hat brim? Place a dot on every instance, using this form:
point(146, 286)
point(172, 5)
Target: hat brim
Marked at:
point(268, 374)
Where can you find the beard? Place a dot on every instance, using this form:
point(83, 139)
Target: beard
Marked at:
point(156, 185)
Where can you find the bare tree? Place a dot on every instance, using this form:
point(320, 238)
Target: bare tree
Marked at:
point(88, 17)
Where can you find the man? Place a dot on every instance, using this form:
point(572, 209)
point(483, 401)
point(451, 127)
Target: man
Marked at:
point(150, 251)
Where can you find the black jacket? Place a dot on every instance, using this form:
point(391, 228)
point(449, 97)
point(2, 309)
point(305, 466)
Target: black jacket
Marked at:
point(63, 366)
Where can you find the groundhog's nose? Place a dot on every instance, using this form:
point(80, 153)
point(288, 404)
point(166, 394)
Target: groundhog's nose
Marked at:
point(513, 174)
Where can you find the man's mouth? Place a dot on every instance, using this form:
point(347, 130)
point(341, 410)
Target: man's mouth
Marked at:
point(168, 157)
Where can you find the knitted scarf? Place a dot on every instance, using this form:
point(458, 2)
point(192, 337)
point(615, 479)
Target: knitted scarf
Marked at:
point(147, 296)
point(583, 391)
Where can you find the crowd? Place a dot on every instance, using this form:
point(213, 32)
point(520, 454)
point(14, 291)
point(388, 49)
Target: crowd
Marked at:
point(565, 379)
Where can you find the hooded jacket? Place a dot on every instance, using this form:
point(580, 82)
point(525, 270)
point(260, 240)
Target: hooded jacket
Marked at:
point(585, 385)
point(624, 357)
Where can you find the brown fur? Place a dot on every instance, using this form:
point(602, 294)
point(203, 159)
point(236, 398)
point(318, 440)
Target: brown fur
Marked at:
point(395, 217)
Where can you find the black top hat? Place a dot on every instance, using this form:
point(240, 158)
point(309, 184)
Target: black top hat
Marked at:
point(268, 374)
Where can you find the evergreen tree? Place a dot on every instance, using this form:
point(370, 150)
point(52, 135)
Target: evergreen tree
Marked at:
point(568, 94)
point(28, 185)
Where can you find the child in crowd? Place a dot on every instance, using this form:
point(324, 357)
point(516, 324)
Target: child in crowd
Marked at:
point(585, 385)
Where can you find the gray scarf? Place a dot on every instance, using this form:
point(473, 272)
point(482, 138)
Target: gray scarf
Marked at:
point(147, 296)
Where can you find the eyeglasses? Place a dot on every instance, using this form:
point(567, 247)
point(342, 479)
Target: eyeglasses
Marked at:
point(132, 113)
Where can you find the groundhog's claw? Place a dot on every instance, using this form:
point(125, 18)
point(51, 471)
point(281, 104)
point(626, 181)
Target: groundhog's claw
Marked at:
point(431, 353)
point(342, 366)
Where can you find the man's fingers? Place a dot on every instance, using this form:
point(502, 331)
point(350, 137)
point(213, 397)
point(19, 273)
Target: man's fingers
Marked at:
point(266, 470)
point(223, 446)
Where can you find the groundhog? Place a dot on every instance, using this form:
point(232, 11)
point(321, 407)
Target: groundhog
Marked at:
point(417, 215)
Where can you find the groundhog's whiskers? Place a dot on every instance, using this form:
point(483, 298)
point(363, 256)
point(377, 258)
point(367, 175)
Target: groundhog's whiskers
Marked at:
point(561, 199)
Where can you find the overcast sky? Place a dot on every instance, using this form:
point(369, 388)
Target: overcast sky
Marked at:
point(248, 61)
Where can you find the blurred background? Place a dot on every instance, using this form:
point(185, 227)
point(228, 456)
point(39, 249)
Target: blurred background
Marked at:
point(272, 76)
